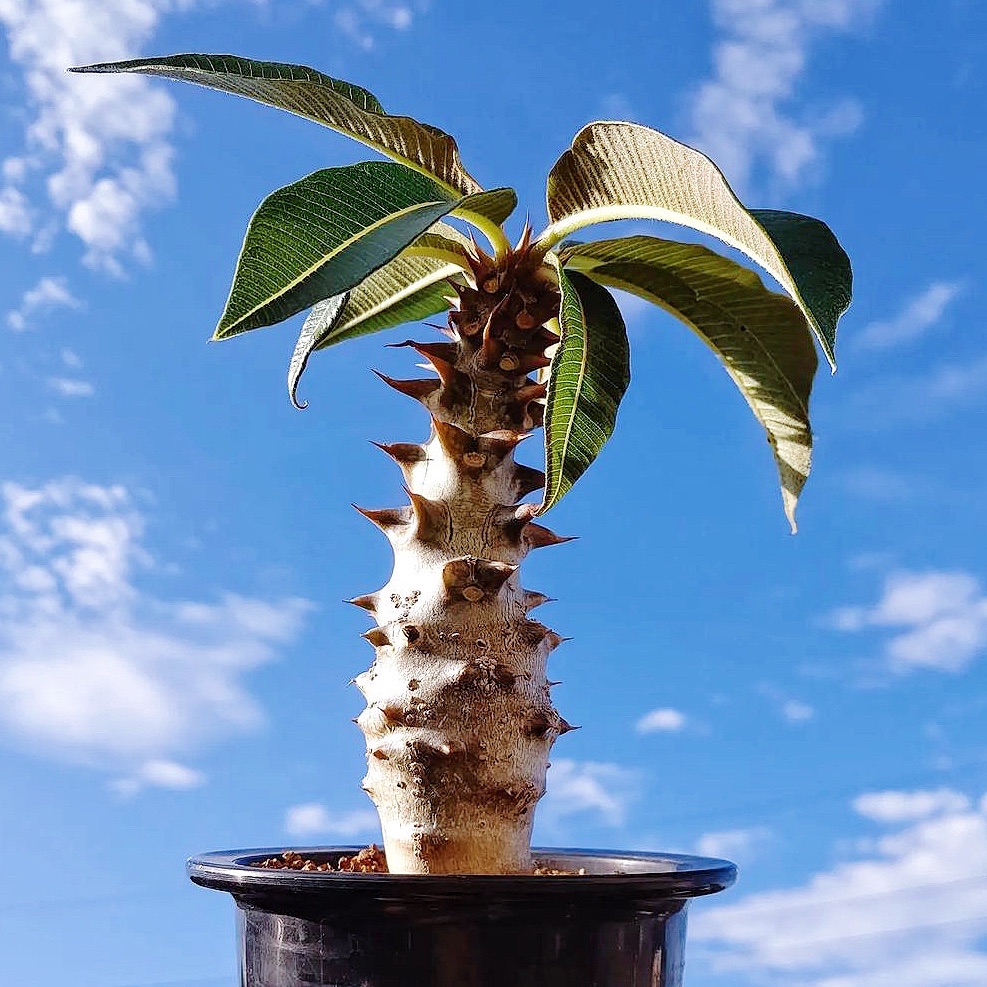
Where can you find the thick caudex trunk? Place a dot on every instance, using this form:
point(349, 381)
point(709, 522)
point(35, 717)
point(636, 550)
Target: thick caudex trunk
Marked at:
point(459, 720)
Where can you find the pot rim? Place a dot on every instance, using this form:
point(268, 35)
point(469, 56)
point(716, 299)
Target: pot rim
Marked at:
point(612, 873)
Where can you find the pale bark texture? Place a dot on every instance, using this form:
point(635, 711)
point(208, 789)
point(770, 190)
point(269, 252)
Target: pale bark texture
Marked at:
point(459, 720)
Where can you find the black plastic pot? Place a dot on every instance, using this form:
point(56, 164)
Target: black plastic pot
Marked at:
point(622, 924)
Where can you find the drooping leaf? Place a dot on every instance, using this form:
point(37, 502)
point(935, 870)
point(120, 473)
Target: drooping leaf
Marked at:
point(330, 311)
point(323, 235)
point(412, 286)
point(587, 379)
point(339, 105)
point(761, 337)
point(627, 171)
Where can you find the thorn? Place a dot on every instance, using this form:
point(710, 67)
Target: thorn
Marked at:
point(447, 352)
point(387, 518)
point(379, 754)
point(367, 602)
point(538, 536)
point(417, 389)
point(531, 599)
point(530, 392)
point(553, 640)
point(431, 515)
point(526, 480)
point(524, 244)
point(538, 724)
point(453, 439)
point(377, 636)
point(565, 727)
point(480, 577)
point(501, 442)
point(533, 361)
point(492, 347)
point(552, 684)
point(403, 453)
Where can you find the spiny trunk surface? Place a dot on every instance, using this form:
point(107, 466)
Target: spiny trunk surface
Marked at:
point(459, 721)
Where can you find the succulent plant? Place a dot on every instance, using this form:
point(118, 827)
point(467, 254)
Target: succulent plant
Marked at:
point(459, 719)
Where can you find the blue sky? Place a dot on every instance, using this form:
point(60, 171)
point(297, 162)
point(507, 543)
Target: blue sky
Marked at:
point(175, 538)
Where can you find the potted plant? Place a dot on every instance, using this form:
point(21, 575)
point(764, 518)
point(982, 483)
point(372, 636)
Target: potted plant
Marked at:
point(459, 719)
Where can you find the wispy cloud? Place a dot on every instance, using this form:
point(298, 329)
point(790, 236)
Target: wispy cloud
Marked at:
point(897, 807)
point(868, 922)
point(916, 399)
point(919, 315)
point(745, 115)
point(939, 620)
point(662, 720)
point(15, 213)
point(96, 671)
point(796, 711)
point(99, 146)
point(597, 789)
point(314, 819)
point(68, 387)
point(159, 773)
point(360, 22)
point(738, 845)
point(48, 294)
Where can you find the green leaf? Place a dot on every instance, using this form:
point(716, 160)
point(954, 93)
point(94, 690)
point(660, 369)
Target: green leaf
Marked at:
point(413, 286)
point(762, 338)
point(343, 107)
point(323, 235)
point(330, 310)
point(587, 379)
point(494, 205)
point(627, 171)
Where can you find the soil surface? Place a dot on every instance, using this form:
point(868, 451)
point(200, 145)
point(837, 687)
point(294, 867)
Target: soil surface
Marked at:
point(370, 860)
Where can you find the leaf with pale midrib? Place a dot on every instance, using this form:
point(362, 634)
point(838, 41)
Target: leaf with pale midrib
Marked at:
point(329, 312)
point(339, 105)
point(761, 337)
point(626, 171)
point(412, 286)
point(587, 379)
point(323, 235)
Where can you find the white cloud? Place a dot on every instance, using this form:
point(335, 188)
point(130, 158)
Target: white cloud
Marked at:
point(160, 774)
point(942, 616)
point(359, 22)
point(48, 294)
point(912, 915)
point(588, 787)
point(796, 711)
point(734, 844)
point(69, 388)
point(314, 819)
point(664, 720)
point(96, 671)
point(743, 115)
point(919, 315)
point(894, 807)
point(15, 213)
point(918, 398)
